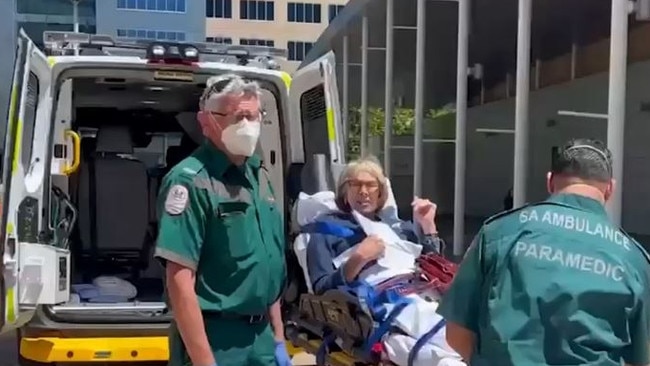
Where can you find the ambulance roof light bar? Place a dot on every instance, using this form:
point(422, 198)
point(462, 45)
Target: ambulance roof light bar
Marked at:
point(58, 42)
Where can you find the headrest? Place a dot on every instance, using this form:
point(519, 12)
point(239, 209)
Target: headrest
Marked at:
point(175, 154)
point(311, 207)
point(114, 139)
point(187, 120)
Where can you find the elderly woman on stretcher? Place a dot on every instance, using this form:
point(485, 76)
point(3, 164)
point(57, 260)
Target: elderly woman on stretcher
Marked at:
point(364, 246)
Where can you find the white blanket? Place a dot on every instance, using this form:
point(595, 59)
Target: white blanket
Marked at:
point(420, 315)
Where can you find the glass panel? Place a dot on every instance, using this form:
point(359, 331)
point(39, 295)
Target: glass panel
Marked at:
point(142, 4)
point(227, 8)
point(309, 15)
point(180, 6)
point(121, 32)
point(291, 12)
point(270, 10)
point(121, 4)
point(142, 33)
point(316, 18)
point(171, 5)
point(151, 34)
point(171, 36)
point(300, 12)
point(131, 33)
point(243, 9)
point(160, 35)
point(47, 7)
point(180, 36)
point(261, 10)
point(151, 4)
point(31, 104)
point(160, 5)
point(292, 52)
point(209, 8)
point(252, 9)
point(131, 4)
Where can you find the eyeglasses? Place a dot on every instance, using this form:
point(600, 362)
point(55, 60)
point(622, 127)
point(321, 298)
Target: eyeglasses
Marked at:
point(371, 186)
point(240, 115)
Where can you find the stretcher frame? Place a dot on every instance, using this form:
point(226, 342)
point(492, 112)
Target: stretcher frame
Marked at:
point(309, 317)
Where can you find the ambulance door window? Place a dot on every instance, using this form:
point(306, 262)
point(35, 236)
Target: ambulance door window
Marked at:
point(29, 119)
point(314, 121)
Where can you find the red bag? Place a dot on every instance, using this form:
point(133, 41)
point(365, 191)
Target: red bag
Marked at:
point(438, 271)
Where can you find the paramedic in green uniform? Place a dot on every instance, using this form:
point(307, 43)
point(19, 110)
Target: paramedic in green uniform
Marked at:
point(554, 283)
point(221, 239)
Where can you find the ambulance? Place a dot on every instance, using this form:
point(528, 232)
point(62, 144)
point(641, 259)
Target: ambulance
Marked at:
point(93, 125)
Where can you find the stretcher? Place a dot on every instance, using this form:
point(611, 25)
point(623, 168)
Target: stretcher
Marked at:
point(339, 326)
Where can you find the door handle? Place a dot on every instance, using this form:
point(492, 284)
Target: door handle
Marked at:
point(76, 152)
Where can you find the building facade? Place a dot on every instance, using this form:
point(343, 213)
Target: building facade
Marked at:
point(285, 24)
point(35, 17)
point(168, 20)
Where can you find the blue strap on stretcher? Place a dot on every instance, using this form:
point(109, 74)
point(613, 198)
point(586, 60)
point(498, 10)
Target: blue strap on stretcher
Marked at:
point(324, 348)
point(423, 340)
point(376, 302)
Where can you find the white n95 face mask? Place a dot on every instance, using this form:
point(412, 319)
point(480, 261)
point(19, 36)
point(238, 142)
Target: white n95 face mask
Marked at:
point(241, 138)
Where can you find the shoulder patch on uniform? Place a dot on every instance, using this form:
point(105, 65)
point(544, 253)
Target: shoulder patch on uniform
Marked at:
point(176, 200)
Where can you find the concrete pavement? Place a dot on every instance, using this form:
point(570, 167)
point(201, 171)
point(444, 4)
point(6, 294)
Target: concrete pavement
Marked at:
point(8, 352)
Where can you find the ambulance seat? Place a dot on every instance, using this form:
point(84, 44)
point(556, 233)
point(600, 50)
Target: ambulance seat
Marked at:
point(116, 186)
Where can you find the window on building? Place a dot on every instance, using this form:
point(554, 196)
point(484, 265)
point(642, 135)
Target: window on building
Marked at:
point(151, 34)
point(86, 8)
point(256, 42)
point(220, 40)
point(176, 6)
point(333, 11)
point(298, 50)
point(218, 8)
point(257, 10)
point(303, 12)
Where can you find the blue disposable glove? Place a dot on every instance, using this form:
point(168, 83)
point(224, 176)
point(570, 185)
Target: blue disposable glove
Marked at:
point(281, 355)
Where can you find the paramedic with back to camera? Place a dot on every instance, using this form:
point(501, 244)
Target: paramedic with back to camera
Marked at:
point(222, 239)
point(555, 282)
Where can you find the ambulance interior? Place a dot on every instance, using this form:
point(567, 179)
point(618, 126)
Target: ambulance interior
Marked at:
point(133, 130)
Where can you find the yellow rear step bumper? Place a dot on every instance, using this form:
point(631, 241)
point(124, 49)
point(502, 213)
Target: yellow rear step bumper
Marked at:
point(135, 349)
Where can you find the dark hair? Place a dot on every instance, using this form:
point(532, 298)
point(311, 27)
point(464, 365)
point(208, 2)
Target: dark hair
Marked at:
point(586, 159)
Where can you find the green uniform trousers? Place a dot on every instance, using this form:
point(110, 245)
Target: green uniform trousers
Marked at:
point(234, 342)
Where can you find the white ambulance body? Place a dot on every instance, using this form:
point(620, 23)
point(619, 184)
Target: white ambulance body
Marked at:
point(92, 127)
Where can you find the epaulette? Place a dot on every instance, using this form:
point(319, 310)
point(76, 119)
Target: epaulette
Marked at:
point(186, 169)
point(191, 166)
point(506, 213)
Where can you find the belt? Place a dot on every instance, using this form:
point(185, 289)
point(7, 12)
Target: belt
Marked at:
point(250, 319)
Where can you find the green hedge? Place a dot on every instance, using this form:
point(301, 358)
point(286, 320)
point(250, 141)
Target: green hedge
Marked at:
point(439, 123)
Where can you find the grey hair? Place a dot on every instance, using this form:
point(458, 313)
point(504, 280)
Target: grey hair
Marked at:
point(228, 84)
point(370, 165)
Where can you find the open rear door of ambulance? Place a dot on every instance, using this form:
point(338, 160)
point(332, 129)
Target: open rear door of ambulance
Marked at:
point(25, 152)
point(315, 102)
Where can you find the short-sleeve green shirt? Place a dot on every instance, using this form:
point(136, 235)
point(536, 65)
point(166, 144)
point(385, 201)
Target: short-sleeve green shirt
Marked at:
point(222, 221)
point(553, 283)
